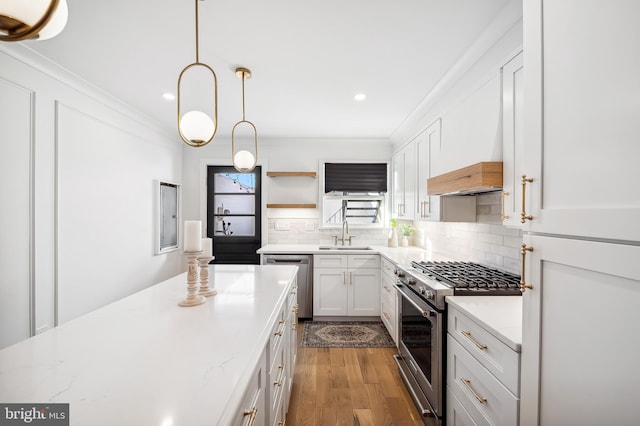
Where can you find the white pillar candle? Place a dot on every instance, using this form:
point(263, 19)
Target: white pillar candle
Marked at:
point(207, 247)
point(192, 235)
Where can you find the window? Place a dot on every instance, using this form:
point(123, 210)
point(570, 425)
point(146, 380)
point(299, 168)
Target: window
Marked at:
point(354, 192)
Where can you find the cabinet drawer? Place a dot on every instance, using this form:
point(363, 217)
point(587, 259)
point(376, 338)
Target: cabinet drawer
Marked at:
point(388, 267)
point(364, 260)
point(277, 382)
point(502, 361)
point(253, 401)
point(457, 415)
point(329, 261)
point(482, 395)
point(276, 341)
point(389, 317)
point(386, 288)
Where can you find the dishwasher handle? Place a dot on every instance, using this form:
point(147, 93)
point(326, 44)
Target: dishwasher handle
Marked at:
point(284, 260)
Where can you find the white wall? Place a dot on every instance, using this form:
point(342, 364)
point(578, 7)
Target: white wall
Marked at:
point(76, 231)
point(278, 155)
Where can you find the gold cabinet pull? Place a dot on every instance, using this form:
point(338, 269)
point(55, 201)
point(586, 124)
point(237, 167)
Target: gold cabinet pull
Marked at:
point(279, 381)
point(350, 278)
point(523, 282)
point(387, 316)
point(279, 332)
point(252, 413)
point(467, 383)
point(467, 334)
point(344, 278)
point(523, 214)
point(502, 215)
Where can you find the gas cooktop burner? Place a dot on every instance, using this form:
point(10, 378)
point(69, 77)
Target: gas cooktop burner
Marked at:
point(469, 276)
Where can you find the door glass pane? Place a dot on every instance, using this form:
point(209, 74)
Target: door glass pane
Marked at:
point(236, 226)
point(239, 183)
point(234, 204)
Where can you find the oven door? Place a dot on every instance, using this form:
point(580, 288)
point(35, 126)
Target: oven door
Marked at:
point(421, 329)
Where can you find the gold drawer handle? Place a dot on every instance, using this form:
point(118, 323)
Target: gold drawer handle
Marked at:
point(467, 383)
point(387, 316)
point(480, 346)
point(523, 214)
point(502, 215)
point(523, 282)
point(251, 413)
point(279, 332)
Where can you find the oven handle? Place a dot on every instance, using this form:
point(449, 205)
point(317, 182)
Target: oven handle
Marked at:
point(418, 307)
point(423, 411)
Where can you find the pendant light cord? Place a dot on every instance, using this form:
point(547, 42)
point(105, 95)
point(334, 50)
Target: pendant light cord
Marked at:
point(243, 114)
point(197, 41)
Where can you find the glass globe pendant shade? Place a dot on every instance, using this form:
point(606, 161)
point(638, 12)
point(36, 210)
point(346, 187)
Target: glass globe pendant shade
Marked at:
point(57, 23)
point(244, 161)
point(197, 127)
point(34, 19)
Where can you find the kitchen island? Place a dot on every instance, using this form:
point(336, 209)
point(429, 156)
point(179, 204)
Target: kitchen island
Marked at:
point(144, 360)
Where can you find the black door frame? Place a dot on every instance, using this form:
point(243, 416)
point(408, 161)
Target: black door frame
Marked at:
point(232, 249)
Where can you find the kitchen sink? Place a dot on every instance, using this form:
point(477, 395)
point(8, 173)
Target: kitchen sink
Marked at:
point(345, 248)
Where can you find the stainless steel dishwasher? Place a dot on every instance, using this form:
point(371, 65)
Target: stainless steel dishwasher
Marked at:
point(304, 262)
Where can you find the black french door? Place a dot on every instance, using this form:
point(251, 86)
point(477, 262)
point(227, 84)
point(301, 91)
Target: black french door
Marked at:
point(233, 214)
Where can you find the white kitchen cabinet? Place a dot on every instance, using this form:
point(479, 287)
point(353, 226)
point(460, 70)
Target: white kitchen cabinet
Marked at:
point(581, 118)
point(512, 140)
point(252, 408)
point(483, 372)
point(351, 290)
point(579, 332)
point(388, 298)
point(580, 126)
point(403, 166)
point(427, 148)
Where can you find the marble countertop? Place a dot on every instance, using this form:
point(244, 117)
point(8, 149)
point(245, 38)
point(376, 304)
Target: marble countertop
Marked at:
point(499, 315)
point(144, 360)
point(398, 255)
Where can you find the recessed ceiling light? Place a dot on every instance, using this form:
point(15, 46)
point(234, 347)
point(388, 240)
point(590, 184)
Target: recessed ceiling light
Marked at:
point(169, 96)
point(360, 97)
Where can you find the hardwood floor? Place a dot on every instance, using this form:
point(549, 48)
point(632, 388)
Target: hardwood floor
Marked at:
point(349, 386)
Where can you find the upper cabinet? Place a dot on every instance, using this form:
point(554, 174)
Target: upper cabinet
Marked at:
point(581, 122)
point(512, 141)
point(427, 149)
point(403, 181)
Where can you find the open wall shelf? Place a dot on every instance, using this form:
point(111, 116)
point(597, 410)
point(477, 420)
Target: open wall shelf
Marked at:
point(291, 206)
point(291, 174)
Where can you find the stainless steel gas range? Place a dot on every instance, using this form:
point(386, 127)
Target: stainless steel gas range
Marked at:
point(422, 326)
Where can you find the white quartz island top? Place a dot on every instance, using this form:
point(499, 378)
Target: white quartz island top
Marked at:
point(499, 315)
point(398, 255)
point(144, 360)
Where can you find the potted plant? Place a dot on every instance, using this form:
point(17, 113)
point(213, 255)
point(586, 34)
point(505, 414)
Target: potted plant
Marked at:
point(407, 230)
point(393, 234)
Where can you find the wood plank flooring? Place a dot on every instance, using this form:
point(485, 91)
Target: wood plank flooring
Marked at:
point(349, 387)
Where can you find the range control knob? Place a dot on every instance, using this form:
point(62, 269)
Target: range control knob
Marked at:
point(411, 281)
point(428, 294)
point(399, 273)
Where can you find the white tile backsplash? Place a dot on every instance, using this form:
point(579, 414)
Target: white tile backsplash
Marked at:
point(487, 241)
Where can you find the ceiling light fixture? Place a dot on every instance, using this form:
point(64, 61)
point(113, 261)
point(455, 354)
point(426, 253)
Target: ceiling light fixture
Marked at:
point(196, 128)
point(244, 161)
point(35, 19)
point(360, 97)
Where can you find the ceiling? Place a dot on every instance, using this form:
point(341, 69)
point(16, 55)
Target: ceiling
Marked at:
point(308, 59)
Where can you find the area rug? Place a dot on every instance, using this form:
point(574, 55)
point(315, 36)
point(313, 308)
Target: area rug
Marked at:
point(345, 334)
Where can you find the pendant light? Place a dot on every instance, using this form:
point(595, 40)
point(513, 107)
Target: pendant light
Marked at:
point(196, 128)
point(34, 19)
point(244, 161)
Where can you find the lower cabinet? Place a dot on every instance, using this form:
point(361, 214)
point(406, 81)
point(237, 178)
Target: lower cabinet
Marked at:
point(482, 375)
point(266, 400)
point(346, 285)
point(388, 299)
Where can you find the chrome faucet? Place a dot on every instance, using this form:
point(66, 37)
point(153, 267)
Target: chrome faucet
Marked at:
point(345, 224)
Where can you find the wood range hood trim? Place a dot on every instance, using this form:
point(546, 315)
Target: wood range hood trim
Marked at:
point(474, 179)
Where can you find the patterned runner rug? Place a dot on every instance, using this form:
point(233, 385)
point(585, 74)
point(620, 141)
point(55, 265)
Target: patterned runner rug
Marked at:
point(345, 334)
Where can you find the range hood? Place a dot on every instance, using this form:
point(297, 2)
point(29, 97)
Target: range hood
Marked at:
point(474, 179)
